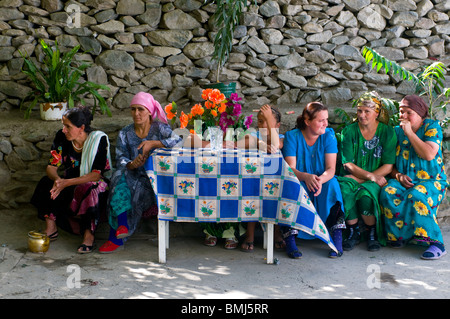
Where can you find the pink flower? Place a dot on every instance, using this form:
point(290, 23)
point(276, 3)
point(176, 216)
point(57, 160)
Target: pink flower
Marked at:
point(248, 121)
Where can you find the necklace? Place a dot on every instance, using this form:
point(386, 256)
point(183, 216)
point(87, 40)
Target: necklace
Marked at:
point(77, 148)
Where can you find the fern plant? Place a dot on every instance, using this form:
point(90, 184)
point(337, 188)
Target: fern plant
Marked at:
point(58, 80)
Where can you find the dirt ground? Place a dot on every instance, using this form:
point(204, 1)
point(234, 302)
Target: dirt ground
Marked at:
point(194, 271)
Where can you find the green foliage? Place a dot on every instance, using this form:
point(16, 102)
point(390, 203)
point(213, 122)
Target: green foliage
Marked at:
point(225, 18)
point(429, 82)
point(58, 80)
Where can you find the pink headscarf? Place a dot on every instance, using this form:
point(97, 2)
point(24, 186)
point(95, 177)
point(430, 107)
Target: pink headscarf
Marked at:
point(153, 106)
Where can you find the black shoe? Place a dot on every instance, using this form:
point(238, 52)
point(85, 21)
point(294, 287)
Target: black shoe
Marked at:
point(353, 240)
point(373, 245)
point(372, 242)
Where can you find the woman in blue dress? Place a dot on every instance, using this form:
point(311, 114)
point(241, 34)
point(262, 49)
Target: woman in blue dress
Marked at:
point(131, 193)
point(311, 151)
point(411, 198)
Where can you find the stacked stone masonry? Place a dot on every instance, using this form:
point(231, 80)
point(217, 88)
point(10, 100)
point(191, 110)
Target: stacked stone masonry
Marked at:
point(286, 52)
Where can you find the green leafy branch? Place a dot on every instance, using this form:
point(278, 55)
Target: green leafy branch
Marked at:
point(429, 82)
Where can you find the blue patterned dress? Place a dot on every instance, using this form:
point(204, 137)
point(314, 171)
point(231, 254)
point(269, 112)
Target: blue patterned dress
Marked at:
point(411, 213)
point(130, 189)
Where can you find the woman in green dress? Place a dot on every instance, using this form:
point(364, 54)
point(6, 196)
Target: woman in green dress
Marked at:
point(368, 155)
point(411, 198)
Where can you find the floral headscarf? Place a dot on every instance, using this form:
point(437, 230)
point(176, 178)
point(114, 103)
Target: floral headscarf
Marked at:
point(370, 99)
point(373, 101)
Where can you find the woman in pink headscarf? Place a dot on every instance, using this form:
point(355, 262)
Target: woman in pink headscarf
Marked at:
point(131, 194)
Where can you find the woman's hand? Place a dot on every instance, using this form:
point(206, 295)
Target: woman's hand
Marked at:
point(313, 183)
point(137, 162)
point(405, 180)
point(58, 185)
point(380, 180)
point(229, 144)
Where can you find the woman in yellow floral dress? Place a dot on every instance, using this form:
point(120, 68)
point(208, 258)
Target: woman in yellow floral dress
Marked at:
point(411, 198)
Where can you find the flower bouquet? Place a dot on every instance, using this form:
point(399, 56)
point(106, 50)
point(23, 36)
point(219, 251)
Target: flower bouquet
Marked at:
point(216, 111)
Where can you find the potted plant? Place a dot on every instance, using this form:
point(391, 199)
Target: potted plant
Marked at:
point(225, 17)
point(57, 83)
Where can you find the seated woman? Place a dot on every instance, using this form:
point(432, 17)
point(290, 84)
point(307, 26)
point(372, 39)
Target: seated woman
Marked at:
point(411, 198)
point(269, 118)
point(368, 155)
point(76, 200)
point(131, 193)
point(311, 151)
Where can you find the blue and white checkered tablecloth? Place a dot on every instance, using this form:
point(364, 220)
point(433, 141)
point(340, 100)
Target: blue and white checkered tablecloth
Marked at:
point(198, 185)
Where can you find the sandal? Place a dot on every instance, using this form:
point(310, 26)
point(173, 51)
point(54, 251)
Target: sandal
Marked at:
point(53, 236)
point(280, 245)
point(231, 243)
point(434, 252)
point(247, 247)
point(85, 249)
point(210, 241)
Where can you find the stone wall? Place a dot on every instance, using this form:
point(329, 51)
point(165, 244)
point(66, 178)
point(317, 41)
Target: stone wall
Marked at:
point(286, 52)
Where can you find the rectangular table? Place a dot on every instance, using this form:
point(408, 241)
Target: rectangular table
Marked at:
point(199, 185)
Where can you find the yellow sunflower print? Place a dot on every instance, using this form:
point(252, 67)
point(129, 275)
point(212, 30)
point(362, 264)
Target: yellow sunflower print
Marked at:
point(390, 190)
point(388, 213)
point(430, 201)
point(437, 185)
point(399, 224)
point(421, 189)
point(397, 150)
point(420, 232)
point(397, 201)
point(431, 132)
point(421, 208)
point(405, 155)
point(423, 175)
point(391, 237)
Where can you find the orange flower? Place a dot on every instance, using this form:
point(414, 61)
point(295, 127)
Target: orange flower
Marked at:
point(170, 114)
point(208, 104)
point(197, 109)
point(216, 96)
point(214, 113)
point(205, 94)
point(184, 119)
point(222, 107)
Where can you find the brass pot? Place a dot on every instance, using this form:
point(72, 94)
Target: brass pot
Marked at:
point(38, 242)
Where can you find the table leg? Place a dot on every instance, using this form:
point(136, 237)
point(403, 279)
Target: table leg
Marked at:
point(265, 239)
point(167, 234)
point(162, 240)
point(269, 243)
